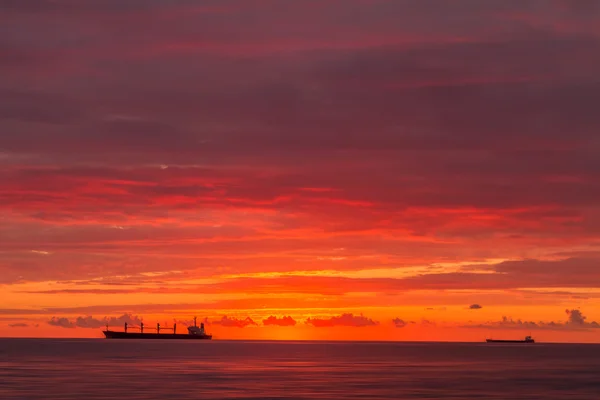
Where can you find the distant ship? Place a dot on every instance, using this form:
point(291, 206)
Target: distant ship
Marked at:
point(194, 333)
point(528, 339)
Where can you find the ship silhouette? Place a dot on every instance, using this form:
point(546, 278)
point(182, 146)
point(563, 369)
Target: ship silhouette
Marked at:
point(528, 339)
point(194, 333)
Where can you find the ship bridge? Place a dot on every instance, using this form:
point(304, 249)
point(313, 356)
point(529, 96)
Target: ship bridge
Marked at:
point(195, 330)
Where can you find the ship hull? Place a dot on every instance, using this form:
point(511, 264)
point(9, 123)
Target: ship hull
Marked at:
point(137, 335)
point(509, 341)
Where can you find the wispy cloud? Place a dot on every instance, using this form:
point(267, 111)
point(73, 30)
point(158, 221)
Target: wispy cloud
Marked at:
point(23, 325)
point(42, 252)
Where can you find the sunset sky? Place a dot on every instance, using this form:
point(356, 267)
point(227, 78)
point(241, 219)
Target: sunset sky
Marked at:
point(314, 169)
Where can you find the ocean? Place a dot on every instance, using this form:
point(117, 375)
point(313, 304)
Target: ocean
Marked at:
point(180, 370)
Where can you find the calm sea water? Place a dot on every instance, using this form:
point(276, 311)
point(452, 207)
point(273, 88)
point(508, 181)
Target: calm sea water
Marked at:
point(112, 369)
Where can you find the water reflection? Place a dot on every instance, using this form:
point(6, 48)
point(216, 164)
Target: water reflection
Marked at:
point(101, 369)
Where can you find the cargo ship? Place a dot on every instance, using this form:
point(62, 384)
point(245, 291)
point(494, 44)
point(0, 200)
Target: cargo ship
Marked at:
point(194, 333)
point(528, 339)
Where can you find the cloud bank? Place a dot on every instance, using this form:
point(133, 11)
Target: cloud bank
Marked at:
point(576, 321)
point(93, 323)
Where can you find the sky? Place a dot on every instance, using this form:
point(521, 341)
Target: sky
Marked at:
point(332, 169)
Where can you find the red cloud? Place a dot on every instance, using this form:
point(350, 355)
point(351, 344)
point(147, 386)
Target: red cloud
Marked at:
point(571, 272)
point(403, 145)
point(283, 321)
point(347, 319)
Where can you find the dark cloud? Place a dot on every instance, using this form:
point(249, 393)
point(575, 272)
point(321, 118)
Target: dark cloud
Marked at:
point(413, 89)
point(582, 273)
point(91, 322)
point(347, 319)
point(61, 322)
point(283, 321)
point(475, 307)
point(235, 322)
point(399, 323)
point(19, 325)
point(570, 272)
point(190, 322)
point(576, 321)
